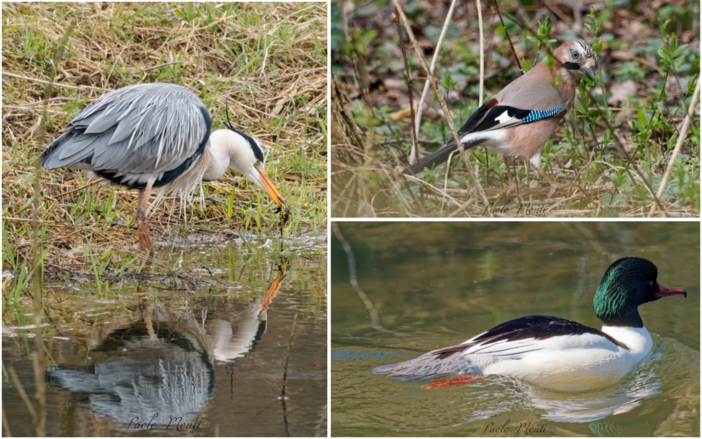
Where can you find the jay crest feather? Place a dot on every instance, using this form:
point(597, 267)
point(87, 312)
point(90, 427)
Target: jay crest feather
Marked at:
point(589, 53)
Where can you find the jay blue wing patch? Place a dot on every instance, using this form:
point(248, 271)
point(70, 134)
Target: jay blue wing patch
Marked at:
point(496, 117)
point(535, 115)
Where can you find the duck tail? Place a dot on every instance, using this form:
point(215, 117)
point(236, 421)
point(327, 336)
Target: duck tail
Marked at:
point(427, 366)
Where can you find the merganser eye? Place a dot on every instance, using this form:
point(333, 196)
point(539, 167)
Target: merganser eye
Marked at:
point(650, 283)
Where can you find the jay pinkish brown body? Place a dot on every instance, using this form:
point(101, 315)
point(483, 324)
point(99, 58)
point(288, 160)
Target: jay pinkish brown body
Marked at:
point(520, 118)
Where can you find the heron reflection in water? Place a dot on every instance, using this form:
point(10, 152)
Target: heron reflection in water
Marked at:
point(165, 363)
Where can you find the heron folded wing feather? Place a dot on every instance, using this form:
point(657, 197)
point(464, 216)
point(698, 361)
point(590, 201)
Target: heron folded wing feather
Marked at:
point(127, 127)
point(76, 155)
point(109, 157)
point(102, 123)
point(82, 121)
point(134, 162)
point(70, 148)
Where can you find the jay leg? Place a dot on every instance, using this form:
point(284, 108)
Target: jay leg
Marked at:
point(553, 185)
point(512, 186)
point(143, 227)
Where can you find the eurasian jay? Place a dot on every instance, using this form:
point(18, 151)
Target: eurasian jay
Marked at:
point(520, 118)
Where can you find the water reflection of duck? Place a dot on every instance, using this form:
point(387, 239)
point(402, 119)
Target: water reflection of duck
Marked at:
point(165, 363)
point(556, 353)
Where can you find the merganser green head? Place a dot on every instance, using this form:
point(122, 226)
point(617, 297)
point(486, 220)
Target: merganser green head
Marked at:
point(628, 283)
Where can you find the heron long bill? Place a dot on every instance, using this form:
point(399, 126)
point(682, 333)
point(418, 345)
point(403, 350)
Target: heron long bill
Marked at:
point(272, 192)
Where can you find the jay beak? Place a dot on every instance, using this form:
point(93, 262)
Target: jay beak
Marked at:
point(520, 118)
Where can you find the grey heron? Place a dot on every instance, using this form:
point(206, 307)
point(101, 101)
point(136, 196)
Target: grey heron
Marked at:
point(158, 135)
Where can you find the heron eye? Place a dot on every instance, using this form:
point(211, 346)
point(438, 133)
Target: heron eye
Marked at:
point(258, 162)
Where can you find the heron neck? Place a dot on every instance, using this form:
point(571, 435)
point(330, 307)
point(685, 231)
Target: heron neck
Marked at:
point(216, 160)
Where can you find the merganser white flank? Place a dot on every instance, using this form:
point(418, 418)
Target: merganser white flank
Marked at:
point(556, 353)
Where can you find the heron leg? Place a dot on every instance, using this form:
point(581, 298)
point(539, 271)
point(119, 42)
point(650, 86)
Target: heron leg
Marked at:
point(512, 186)
point(143, 227)
point(553, 185)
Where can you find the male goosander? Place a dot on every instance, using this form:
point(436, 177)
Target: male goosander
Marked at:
point(556, 353)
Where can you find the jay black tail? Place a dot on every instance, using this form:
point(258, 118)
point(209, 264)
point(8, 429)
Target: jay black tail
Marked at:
point(441, 155)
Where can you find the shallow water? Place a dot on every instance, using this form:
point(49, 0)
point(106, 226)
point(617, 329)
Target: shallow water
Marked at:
point(434, 285)
point(201, 354)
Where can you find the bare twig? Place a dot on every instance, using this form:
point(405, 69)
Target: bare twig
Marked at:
point(482, 79)
point(462, 208)
point(442, 102)
point(94, 182)
point(22, 393)
point(516, 58)
point(5, 426)
point(415, 144)
point(413, 156)
point(284, 390)
point(448, 169)
point(482, 72)
point(678, 145)
point(55, 84)
point(17, 107)
point(42, 102)
point(375, 321)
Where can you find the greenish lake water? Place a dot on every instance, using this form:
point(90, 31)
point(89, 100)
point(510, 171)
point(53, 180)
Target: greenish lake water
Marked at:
point(432, 285)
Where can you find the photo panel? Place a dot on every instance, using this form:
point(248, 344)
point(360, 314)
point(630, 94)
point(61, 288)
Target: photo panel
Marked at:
point(515, 329)
point(568, 110)
point(164, 205)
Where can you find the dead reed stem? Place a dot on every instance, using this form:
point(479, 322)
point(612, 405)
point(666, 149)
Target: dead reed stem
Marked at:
point(415, 144)
point(678, 144)
point(442, 102)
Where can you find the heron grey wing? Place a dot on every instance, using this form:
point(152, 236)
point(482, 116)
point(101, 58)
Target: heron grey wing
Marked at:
point(141, 129)
point(164, 151)
point(125, 128)
point(73, 147)
point(154, 130)
point(82, 121)
point(103, 122)
point(64, 151)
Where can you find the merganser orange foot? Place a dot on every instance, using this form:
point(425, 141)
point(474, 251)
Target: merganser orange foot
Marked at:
point(556, 353)
point(457, 381)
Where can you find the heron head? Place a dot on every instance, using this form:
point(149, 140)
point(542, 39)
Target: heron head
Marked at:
point(246, 156)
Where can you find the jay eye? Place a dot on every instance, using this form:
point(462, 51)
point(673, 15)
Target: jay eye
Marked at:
point(575, 54)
